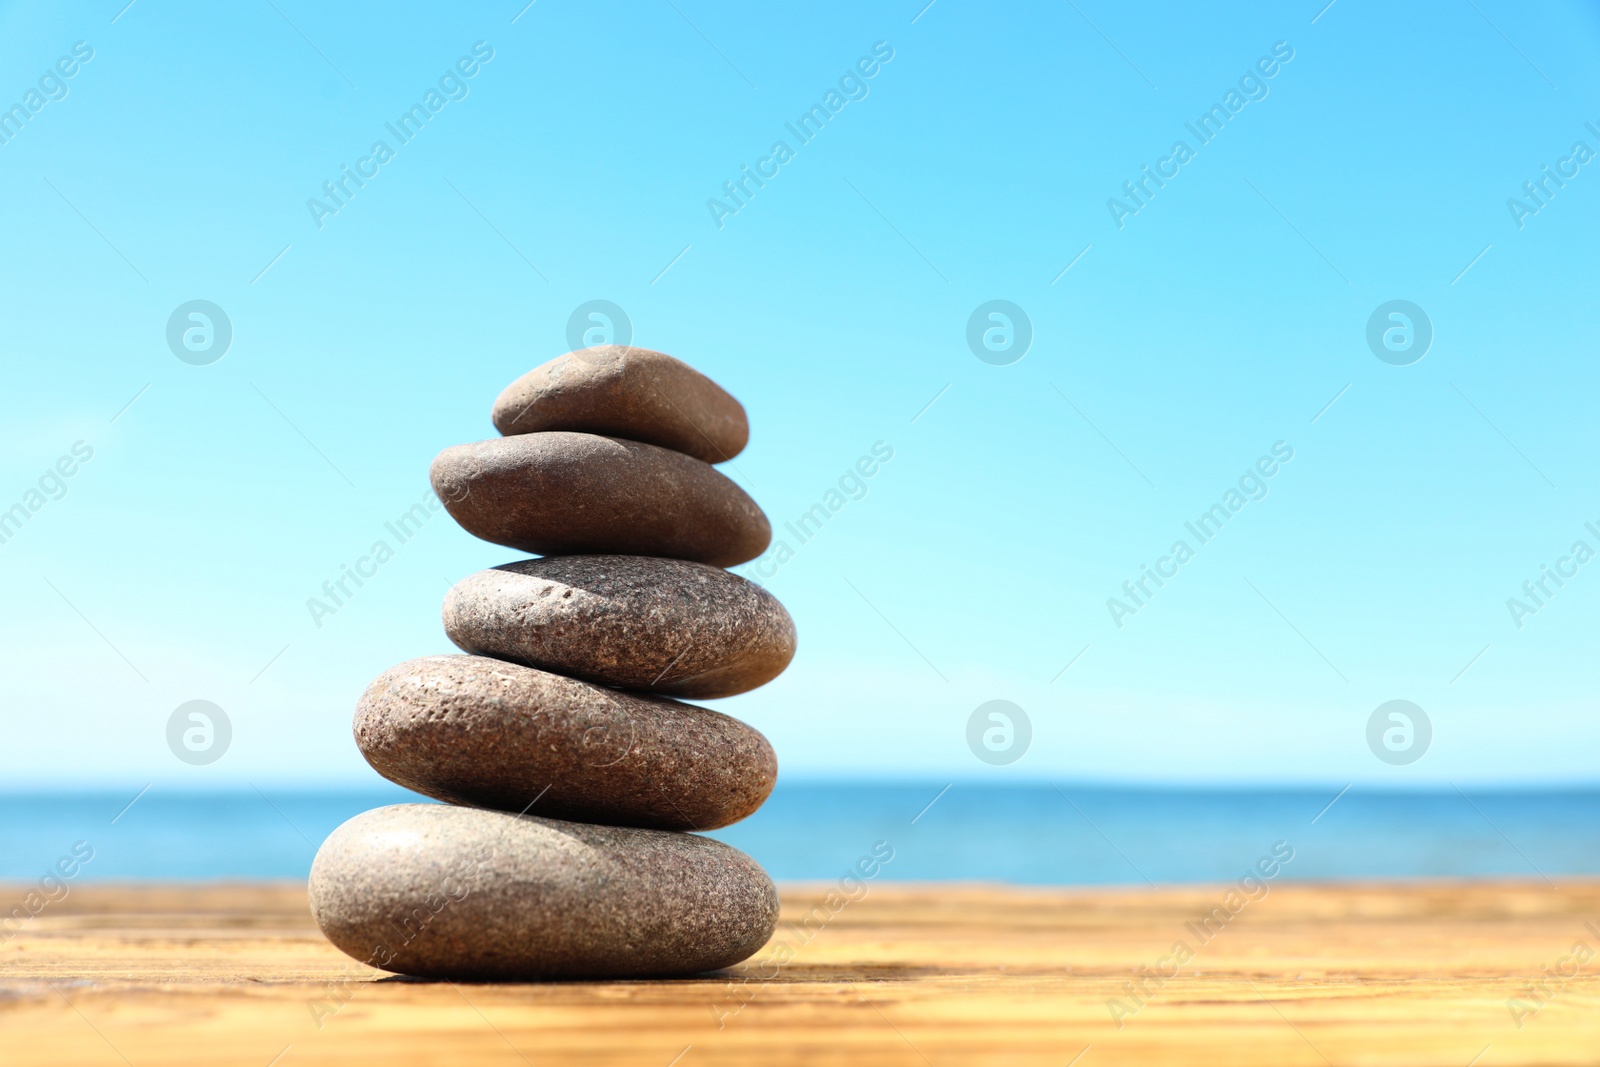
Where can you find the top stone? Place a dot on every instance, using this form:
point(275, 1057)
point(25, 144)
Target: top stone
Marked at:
point(621, 391)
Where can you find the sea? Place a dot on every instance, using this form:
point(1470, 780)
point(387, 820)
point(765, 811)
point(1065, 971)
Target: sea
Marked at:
point(1040, 833)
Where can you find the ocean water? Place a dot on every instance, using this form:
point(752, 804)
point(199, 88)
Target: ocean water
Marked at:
point(1039, 834)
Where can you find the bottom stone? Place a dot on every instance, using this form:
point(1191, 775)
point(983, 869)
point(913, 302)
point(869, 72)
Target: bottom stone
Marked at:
point(462, 893)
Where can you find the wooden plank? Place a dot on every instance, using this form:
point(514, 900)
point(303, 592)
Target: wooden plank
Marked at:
point(1415, 974)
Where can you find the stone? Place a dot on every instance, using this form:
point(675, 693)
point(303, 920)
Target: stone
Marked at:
point(464, 894)
point(620, 391)
point(476, 731)
point(662, 625)
point(563, 493)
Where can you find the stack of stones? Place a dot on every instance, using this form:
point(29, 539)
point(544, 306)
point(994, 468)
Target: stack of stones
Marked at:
point(569, 774)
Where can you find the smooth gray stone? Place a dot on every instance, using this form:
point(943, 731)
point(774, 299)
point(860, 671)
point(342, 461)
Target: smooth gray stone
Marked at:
point(559, 494)
point(621, 391)
point(466, 894)
point(472, 730)
point(662, 625)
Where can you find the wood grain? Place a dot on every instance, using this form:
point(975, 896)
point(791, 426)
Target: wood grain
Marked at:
point(1416, 974)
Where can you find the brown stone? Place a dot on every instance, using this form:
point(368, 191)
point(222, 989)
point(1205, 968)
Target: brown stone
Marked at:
point(663, 625)
point(562, 493)
point(470, 895)
point(620, 391)
point(472, 730)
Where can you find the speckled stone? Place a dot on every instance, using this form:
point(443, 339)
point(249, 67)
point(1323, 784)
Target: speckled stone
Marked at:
point(477, 731)
point(562, 493)
point(621, 391)
point(662, 625)
point(466, 894)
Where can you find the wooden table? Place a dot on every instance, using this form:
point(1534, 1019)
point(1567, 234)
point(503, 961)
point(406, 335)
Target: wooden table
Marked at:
point(1372, 974)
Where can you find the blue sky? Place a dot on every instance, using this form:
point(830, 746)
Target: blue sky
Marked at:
point(1169, 353)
